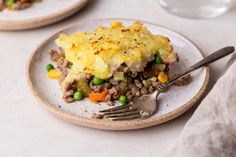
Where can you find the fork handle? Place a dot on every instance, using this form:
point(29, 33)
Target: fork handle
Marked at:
point(209, 59)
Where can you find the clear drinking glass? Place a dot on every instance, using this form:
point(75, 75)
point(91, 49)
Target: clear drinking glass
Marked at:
point(196, 8)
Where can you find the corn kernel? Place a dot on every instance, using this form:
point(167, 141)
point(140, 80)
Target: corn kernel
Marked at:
point(116, 24)
point(162, 77)
point(54, 74)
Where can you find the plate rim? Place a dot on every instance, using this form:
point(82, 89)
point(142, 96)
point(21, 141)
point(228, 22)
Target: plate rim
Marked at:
point(14, 25)
point(108, 124)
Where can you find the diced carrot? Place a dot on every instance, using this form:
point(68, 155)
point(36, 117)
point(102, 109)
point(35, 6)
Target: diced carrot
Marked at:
point(98, 97)
point(166, 63)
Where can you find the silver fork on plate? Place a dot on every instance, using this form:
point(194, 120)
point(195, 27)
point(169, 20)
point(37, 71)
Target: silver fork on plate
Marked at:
point(145, 106)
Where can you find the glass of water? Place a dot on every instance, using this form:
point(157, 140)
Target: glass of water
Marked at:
point(196, 8)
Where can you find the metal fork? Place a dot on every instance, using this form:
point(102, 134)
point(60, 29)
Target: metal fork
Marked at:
point(145, 106)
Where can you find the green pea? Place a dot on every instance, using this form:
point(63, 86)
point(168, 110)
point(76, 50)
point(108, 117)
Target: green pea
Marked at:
point(123, 99)
point(97, 81)
point(49, 67)
point(78, 95)
point(158, 60)
point(10, 3)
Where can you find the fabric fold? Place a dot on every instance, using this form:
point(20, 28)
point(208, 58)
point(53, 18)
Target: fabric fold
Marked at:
point(211, 131)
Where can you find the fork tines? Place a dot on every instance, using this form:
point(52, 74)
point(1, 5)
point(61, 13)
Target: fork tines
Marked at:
point(125, 112)
point(161, 87)
point(115, 108)
point(131, 117)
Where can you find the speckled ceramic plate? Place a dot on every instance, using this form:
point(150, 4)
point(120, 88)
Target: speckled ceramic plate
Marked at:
point(173, 103)
point(40, 14)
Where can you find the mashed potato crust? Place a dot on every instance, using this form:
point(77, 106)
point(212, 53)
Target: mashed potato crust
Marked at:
point(102, 51)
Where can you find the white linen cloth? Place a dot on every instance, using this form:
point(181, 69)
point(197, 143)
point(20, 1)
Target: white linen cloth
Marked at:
point(211, 132)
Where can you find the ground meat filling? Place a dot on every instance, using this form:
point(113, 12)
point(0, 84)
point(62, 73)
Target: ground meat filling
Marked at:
point(22, 4)
point(97, 116)
point(17, 4)
point(54, 55)
point(134, 84)
point(64, 66)
point(70, 89)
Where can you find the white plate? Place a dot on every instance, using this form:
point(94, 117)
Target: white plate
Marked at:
point(173, 103)
point(39, 14)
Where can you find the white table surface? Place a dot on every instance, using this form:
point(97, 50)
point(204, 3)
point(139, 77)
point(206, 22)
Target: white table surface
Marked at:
point(28, 130)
